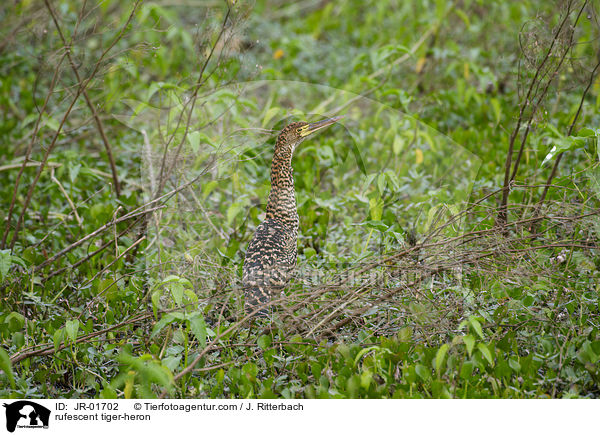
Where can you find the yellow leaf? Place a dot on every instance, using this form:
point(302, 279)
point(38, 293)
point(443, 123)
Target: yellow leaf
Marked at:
point(420, 64)
point(128, 390)
point(419, 156)
point(466, 73)
point(398, 145)
point(278, 54)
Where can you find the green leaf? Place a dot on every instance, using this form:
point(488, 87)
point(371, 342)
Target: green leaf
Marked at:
point(57, 338)
point(171, 278)
point(423, 372)
point(194, 140)
point(376, 208)
point(378, 225)
point(171, 362)
point(51, 123)
point(366, 350)
point(486, 353)
point(264, 341)
point(5, 262)
point(15, 321)
point(439, 357)
point(250, 370)
point(586, 354)
point(564, 144)
point(466, 370)
point(514, 364)
point(463, 16)
point(405, 334)
point(476, 326)
point(177, 292)
point(394, 180)
point(381, 183)
point(164, 321)
point(469, 341)
point(587, 132)
point(398, 144)
point(198, 328)
point(6, 367)
point(233, 210)
point(365, 379)
point(269, 115)
point(74, 172)
point(156, 301)
point(107, 392)
point(18, 339)
point(71, 328)
point(497, 109)
point(193, 297)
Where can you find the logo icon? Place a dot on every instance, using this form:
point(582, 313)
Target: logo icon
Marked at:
point(26, 414)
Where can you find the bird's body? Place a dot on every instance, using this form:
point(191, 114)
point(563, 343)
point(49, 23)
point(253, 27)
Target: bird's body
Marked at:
point(271, 255)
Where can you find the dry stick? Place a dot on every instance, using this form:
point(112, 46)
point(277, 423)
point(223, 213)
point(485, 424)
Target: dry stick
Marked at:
point(93, 234)
point(28, 153)
point(208, 347)
point(462, 239)
point(11, 34)
point(541, 98)
point(331, 330)
point(91, 106)
point(135, 213)
point(82, 86)
point(49, 349)
point(104, 269)
point(192, 101)
point(212, 344)
point(91, 254)
point(502, 216)
point(41, 350)
point(67, 197)
point(30, 164)
point(162, 175)
point(334, 314)
point(559, 157)
point(217, 231)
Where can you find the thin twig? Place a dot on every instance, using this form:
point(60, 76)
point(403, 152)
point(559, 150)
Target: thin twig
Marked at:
point(67, 197)
point(570, 131)
point(99, 126)
point(49, 149)
point(525, 103)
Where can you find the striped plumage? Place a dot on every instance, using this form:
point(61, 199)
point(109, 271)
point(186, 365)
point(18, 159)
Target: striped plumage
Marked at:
point(271, 255)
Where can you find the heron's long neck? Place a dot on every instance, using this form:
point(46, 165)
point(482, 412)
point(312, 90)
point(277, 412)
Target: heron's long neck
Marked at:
point(282, 198)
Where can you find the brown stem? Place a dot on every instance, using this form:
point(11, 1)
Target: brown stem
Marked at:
point(559, 156)
point(164, 174)
point(49, 349)
point(91, 254)
point(502, 212)
point(544, 92)
point(88, 101)
point(82, 86)
point(28, 153)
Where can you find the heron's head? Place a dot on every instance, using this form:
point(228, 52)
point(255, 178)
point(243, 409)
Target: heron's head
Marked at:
point(291, 136)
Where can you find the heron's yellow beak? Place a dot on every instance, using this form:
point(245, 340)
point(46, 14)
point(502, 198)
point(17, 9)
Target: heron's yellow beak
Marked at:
point(315, 126)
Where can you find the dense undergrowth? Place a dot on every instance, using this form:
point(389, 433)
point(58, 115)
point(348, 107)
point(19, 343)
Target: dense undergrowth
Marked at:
point(415, 279)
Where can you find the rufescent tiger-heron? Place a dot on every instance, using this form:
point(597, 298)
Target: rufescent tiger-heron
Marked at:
point(271, 255)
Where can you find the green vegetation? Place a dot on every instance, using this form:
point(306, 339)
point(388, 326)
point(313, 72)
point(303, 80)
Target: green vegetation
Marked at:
point(137, 142)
